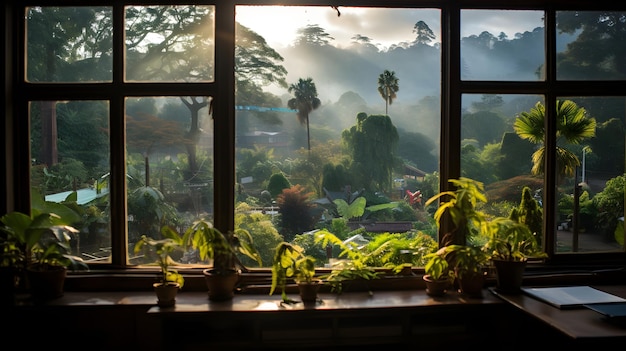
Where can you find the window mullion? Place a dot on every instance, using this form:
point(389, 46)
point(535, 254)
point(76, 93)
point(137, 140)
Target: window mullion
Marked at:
point(549, 212)
point(224, 116)
point(117, 189)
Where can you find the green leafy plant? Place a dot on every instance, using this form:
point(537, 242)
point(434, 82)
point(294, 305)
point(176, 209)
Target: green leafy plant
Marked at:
point(41, 239)
point(461, 206)
point(466, 260)
point(355, 209)
point(510, 240)
point(53, 250)
point(438, 267)
point(222, 248)
point(438, 274)
point(163, 248)
point(505, 239)
point(352, 263)
point(469, 223)
point(291, 262)
point(399, 251)
point(510, 245)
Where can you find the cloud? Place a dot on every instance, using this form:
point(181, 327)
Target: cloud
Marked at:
point(384, 26)
point(474, 22)
point(388, 26)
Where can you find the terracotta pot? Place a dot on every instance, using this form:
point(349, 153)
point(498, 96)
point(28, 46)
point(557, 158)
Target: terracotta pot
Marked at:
point(308, 291)
point(471, 284)
point(166, 293)
point(437, 287)
point(46, 284)
point(221, 285)
point(509, 275)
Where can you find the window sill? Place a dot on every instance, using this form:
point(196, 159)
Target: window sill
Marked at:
point(258, 282)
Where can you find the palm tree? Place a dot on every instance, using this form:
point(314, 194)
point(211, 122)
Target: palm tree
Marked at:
point(305, 100)
point(388, 87)
point(573, 127)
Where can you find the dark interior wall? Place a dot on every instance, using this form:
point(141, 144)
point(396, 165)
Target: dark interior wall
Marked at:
point(131, 327)
point(6, 102)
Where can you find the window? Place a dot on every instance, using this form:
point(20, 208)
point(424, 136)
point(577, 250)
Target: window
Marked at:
point(164, 113)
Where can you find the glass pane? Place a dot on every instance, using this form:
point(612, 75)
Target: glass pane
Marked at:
point(352, 142)
point(590, 45)
point(492, 152)
point(69, 44)
point(591, 179)
point(502, 45)
point(170, 43)
point(169, 144)
point(70, 157)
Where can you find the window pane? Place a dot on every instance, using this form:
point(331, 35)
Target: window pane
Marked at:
point(70, 154)
point(68, 44)
point(502, 45)
point(591, 181)
point(170, 43)
point(361, 144)
point(493, 153)
point(590, 45)
point(169, 143)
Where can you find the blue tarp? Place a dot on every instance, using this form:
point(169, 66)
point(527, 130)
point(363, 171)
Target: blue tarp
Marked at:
point(83, 195)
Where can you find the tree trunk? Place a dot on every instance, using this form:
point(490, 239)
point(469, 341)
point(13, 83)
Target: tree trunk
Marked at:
point(308, 135)
point(49, 154)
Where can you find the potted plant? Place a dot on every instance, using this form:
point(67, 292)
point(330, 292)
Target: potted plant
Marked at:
point(36, 247)
point(469, 265)
point(222, 248)
point(12, 262)
point(438, 276)
point(290, 262)
point(510, 246)
point(170, 281)
point(468, 261)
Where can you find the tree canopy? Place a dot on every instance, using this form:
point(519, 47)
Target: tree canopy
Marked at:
point(372, 142)
point(305, 100)
point(388, 87)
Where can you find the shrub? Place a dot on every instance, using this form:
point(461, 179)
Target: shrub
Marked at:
point(295, 207)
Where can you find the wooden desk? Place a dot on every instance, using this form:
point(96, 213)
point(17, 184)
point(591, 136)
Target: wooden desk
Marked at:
point(581, 325)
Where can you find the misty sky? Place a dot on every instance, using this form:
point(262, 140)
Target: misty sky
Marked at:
point(278, 24)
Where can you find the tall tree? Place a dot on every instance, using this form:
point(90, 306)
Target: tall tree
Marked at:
point(313, 34)
point(573, 127)
point(388, 87)
point(147, 133)
point(424, 34)
point(59, 38)
point(488, 102)
point(596, 52)
point(305, 100)
point(256, 63)
point(373, 144)
point(168, 60)
point(530, 213)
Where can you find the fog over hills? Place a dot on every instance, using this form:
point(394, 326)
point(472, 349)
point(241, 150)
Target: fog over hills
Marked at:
point(347, 81)
point(418, 66)
point(355, 70)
